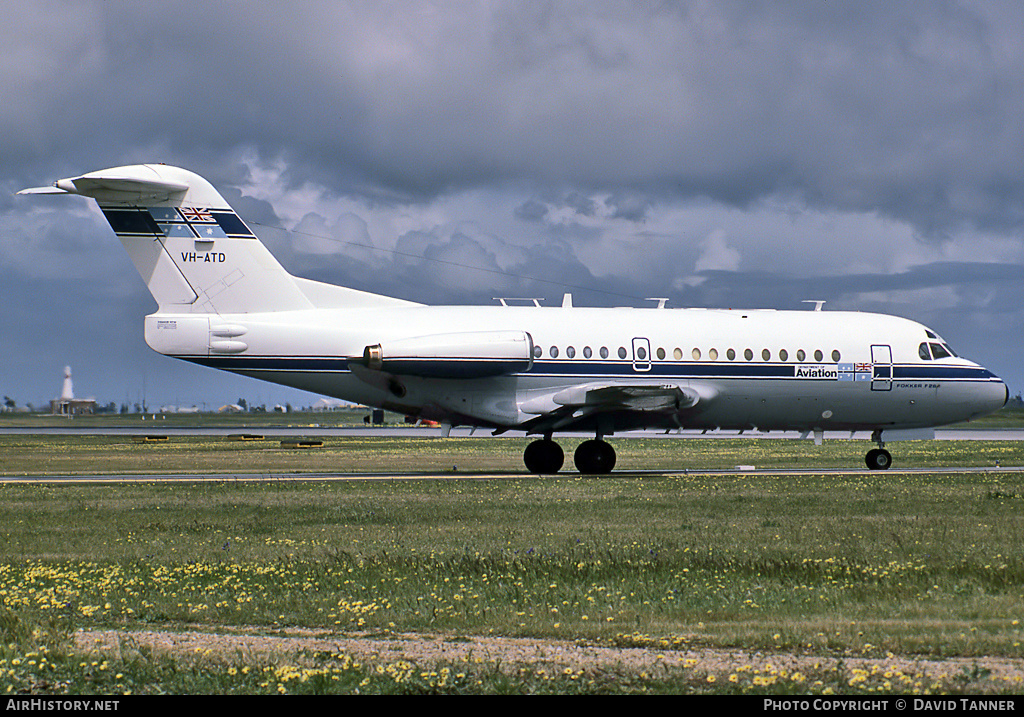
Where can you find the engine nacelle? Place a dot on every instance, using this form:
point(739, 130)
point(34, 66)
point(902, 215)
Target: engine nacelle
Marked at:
point(474, 354)
point(179, 334)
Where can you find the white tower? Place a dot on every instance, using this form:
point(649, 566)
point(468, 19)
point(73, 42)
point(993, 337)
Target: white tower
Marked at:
point(68, 392)
point(67, 404)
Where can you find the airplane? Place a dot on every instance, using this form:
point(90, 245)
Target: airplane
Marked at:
point(225, 302)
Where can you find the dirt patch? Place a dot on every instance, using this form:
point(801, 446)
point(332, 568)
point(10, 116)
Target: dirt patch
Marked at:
point(516, 653)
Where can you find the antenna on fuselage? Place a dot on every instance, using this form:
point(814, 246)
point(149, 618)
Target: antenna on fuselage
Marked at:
point(818, 303)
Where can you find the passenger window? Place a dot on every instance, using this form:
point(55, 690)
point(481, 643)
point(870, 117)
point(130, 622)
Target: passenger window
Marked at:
point(604, 352)
point(678, 354)
point(766, 354)
point(587, 353)
point(731, 354)
point(748, 354)
point(800, 355)
point(836, 355)
point(553, 352)
point(783, 355)
point(661, 353)
point(818, 355)
point(713, 354)
point(570, 352)
point(641, 353)
point(622, 352)
point(538, 351)
point(938, 351)
point(696, 354)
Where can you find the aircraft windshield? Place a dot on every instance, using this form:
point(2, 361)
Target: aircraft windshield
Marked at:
point(939, 347)
point(934, 350)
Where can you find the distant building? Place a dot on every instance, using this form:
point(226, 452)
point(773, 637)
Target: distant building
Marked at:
point(179, 409)
point(330, 404)
point(67, 404)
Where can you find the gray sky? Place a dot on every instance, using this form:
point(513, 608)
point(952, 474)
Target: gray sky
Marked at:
point(721, 154)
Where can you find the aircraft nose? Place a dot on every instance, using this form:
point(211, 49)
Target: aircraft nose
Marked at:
point(997, 396)
point(988, 396)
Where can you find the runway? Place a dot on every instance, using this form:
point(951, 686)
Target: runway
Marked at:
point(946, 434)
point(318, 431)
point(478, 476)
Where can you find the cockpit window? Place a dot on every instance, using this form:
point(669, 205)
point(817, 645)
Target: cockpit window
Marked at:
point(939, 351)
point(924, 353)
point(939, 347)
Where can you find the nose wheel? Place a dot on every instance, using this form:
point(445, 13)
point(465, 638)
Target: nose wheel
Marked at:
point(878, 459)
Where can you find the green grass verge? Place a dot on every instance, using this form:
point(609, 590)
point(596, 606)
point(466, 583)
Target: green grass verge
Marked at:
point(924, 565)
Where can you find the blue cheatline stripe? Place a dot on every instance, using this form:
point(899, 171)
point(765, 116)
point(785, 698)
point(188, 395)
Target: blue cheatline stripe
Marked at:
point(941, 373)
point(696, 370)
point(570, 369)
point(271, 363)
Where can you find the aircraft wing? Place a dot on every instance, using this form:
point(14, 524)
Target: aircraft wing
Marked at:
point(563, 408)
point(629, 397)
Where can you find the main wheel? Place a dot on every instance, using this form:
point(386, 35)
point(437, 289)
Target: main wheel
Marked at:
point(878, 459)
point(594, 457)
point(543, 456)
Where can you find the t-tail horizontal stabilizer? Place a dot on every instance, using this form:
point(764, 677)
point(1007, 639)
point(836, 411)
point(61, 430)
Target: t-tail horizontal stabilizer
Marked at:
point(194, 252)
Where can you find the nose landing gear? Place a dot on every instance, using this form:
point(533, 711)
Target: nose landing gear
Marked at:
point(878, 459)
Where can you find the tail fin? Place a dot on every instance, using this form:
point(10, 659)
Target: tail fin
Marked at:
point(194, 253)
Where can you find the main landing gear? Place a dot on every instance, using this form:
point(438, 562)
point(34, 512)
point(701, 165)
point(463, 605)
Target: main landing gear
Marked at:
point(878, 459)
point(544, 456)
point(592, 457)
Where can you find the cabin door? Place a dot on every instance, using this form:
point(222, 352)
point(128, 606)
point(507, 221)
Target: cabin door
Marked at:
point(881, 378)
point(641, 354)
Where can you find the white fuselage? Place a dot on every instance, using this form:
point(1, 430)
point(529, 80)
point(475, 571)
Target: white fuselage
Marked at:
point(764, 369)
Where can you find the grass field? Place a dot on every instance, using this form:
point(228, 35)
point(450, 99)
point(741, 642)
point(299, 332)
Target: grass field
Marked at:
point(902, 568)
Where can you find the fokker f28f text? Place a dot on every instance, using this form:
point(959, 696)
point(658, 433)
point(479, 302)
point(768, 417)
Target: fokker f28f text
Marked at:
point(225, 302)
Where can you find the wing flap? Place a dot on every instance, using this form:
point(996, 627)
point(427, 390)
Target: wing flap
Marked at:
point(643, 397)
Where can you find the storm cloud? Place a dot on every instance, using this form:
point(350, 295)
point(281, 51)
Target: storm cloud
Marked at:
point(715, 153)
